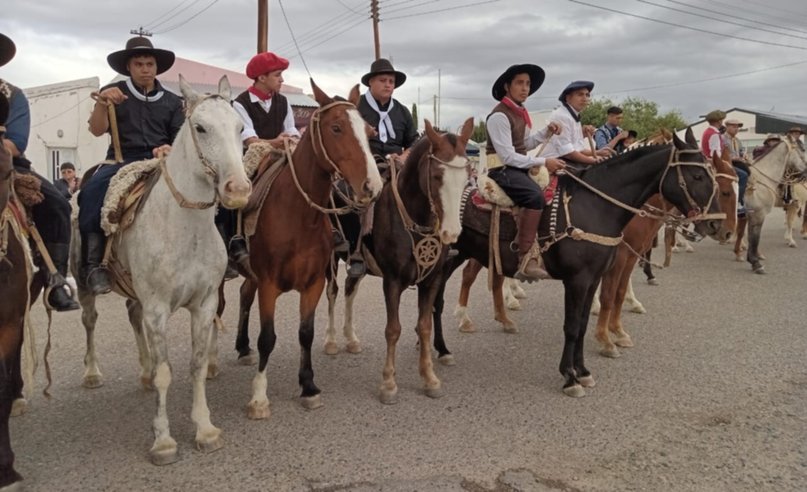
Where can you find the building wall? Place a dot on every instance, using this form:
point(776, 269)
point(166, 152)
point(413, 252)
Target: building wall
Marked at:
point(747, 133)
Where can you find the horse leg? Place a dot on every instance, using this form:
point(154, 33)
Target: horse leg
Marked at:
point(669, 245)
point(742, 222)
point(508, 326)
point(607, 293)
point(595, 305)
point(584, 375)
point(310, 397)
point(246, 357)
point(621, 337)
point(89, 315)
point(203, 328)
point(213, 367)
point(258, 406)
point(392, 332)
point(426, 294)
point(647, 268)
point(754, 233)
point(630, 296)
point(575, 292)
point(444, 355)
point(469, 273)
point(791, 211)
point(20, 404)
point(331, 292)
point(804, 221)
point(11, 342)
point(135, 312)
point(164, 449)
point(511, 299)
point(517, 290)
point(351, 289)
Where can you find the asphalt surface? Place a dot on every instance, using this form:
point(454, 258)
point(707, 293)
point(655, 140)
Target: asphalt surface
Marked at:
point(712, 397)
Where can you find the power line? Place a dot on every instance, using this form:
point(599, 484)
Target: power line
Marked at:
point(317, 32)
point(288, 25)
point(738, 17)
point(347, 28)
point(345, 6)
point(769, 43)
point(197, 14)
point(147, 24)
point(768, 7)
point(194, 2)
point(441, 10)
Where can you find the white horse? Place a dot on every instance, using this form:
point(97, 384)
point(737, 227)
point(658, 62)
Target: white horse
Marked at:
point(177, 259)
point(767, 173)
point(799, 204)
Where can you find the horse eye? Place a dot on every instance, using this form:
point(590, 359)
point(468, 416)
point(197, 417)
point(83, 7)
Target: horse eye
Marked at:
point(725, 194)
point(200, 128)
point(336, 128)
point(698, 177)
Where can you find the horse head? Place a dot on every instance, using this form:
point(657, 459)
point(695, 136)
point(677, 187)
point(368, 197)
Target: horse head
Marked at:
point(727, 188)
point(215, 128)
point(446, 177)
point(689, 185)
point(339, 138)
point(795, 162)
point(5, 156)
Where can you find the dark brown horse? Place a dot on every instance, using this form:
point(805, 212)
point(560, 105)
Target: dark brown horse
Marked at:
point(292, 244)
point(15, 276)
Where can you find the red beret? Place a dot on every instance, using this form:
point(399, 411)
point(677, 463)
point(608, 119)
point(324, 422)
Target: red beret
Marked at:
point(264, 63)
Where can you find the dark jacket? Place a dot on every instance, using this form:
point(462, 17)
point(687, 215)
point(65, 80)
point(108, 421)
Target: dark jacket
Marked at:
point(402, 124)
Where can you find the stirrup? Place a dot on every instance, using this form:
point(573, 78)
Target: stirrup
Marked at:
point(356, 267)
point(98, 288)
point(340, 245)
point(57, 281)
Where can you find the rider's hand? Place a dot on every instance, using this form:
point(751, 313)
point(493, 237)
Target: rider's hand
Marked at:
point(553, 128)
point(554, 165)
point(605, 152)
point(161, 151)
point(623, 135)
point(588, 131)
point(113, 95)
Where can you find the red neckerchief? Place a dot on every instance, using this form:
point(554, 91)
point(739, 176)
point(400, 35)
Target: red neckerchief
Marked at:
point(521, 110)
point(263, 96)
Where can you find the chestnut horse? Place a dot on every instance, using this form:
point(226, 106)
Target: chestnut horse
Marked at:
point(292, 244)
point(579, 234)
point(417, 215)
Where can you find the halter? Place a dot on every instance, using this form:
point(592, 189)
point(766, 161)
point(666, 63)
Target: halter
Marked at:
point(789, 177)
point(208, 167)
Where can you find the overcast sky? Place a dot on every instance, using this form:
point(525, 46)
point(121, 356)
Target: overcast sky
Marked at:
point(470, 42)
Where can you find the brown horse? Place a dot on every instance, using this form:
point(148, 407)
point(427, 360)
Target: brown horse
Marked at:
point(292, 244)
point(15, 277)
point(637, 239)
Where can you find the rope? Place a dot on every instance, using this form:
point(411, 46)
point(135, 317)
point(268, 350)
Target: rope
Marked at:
point(178, 196)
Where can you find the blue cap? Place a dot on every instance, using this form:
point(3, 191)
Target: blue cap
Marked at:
point(577, 84)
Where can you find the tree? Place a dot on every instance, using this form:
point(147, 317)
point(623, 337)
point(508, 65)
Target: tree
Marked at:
point(640, 115)
point(415, 115)
point(480, 133)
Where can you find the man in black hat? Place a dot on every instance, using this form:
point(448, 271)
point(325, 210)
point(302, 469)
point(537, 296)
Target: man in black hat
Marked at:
point(148, 120)
point(508, 140)
point(52, 215)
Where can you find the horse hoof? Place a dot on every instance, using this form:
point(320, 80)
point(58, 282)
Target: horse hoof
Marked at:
point(210, 443)
point(587, 381)
point(434, 392)
point(467, 327)
point(213, 371)
point(739, 258)
point(354, 347)
point(311, 402)
point(447, 360)
point(761, 256)
point(624, 342)
point(331, 348)
point(509, 328)
point(611, 353)
point(652, 281)
point(164, 453)
point(146, 383)
point(248, 360)
point(92, 382)
point(389, 397)
point(575, 391)
point(760, 271)
point(638, 309)
point(791, 244)
point(19, 407)
point(514, 305)
point(519, 293)
point(258, 410)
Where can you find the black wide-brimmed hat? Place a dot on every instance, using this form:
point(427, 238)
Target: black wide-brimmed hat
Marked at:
point(7, 49)
point(140, 46)
point(382, 65)
point(535, 72)
point(577, 84)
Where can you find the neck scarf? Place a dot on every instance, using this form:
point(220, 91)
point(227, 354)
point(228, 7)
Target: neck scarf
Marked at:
point(385, 129)
point(518, 108)
point(571, 110)
point(263, 96)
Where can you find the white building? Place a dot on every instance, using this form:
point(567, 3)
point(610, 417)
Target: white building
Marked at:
point(757, 125)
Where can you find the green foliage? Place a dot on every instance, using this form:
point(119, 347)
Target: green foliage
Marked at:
point(415, 115)
point(639, 114)
point(479, 135)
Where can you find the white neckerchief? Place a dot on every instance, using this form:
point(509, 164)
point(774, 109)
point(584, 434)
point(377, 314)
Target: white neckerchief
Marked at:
point(384, 121)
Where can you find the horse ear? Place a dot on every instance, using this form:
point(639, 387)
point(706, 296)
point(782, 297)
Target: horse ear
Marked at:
point(679, 144)
point(467, 130)
point(321, 98)
point(666, 134)
point(224, 88)
point(354, 95)
point(190, 95)
point(432, 135)
point(689, 137)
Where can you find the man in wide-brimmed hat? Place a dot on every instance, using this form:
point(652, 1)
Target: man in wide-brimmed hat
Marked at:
point(148, 120)
point(52, 215)
point(508, 129)
point(738, 159)
point(794, 134)
point(571, 144)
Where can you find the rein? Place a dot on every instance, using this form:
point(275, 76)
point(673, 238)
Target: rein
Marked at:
point(787, 178)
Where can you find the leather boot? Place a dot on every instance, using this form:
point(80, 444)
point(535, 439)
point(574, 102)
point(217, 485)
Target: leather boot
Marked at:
point(61, 295)
point(239, 254)
point(340, 245)
point(356, 268)
point(529, 257)
point(98, 278)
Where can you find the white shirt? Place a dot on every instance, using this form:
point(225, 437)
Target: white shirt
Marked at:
point(249, 128)
point(571, 135)
point(500, 133)
point(715, 144)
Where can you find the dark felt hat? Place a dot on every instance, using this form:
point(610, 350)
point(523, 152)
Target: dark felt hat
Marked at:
point(382, 65)
point(796, 129)
point(140, 46)
point(7, 49)
point(577, 84)
point(535, 72)
point(715, 116)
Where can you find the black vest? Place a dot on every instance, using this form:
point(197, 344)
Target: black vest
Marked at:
point(267, 125)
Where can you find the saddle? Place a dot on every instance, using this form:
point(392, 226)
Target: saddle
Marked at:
point(126, 194)
point(263, 164)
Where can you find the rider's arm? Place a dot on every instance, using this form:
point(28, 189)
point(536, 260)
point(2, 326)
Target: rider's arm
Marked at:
point(499, 132)
point(248, 134)
point(288, 124)
point(99, 121)
point(601, 139)
point(18, 124)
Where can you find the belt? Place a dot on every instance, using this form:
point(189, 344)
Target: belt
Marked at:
point(493, 161)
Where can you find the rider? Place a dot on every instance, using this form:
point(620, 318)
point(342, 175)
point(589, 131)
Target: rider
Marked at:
point(738, 159)
point(795, 134)
point(52, 215)
point(508, 134)
point(267, 116)
point(394, 131)
point(610, 135)
point(148, 119)
point(570, 144)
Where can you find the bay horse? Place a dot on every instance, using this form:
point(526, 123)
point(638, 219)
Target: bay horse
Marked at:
point(779, 166)
point(417, 215)
point(292, 245)
point(578, 251)
point(176, 258)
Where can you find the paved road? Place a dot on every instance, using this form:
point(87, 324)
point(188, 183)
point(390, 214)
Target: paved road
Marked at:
point(711, 398)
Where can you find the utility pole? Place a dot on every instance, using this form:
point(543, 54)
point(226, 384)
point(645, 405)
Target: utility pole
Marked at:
point(434, 108)
point(439, 98)
point(263, 26)
point(141, 32)
point(374, 15)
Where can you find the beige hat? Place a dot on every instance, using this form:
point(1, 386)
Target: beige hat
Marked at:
point(733, 121)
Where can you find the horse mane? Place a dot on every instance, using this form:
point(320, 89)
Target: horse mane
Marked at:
point(609, 164)
point(422, 146)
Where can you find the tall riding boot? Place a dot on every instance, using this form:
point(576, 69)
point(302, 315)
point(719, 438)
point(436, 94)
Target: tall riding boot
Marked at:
point(238, 252)
point(529, 257)
point(61, 296)
point(98, 278)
